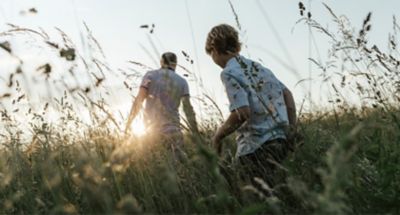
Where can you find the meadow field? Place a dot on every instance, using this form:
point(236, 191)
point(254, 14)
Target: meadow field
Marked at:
point(55, 161)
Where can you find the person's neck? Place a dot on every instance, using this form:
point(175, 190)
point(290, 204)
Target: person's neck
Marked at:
point(169, 68)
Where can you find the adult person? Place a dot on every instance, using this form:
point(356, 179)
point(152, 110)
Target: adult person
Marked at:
point(164, 90)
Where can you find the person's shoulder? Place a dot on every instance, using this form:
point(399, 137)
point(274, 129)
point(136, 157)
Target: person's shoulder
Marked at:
point(179, 78)
point(226, 72)
point(229, 74)
point(256, 64)
point(234, 70)
point(151, 72)
point(261, 67)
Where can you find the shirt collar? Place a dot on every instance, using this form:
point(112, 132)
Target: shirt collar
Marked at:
point(168, 69)
point(232, 62)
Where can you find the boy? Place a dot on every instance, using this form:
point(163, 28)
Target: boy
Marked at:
point(262, 108)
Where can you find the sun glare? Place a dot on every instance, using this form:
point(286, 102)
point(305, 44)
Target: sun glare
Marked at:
point(138, 128)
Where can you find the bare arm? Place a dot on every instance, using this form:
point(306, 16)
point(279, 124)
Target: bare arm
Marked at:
point(234, 121)
point(136, 106)
point(291, 107)
point(190, 114)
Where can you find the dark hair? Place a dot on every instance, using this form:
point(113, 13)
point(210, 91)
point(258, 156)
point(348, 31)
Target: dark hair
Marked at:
point(169, 58)
point(224, 39)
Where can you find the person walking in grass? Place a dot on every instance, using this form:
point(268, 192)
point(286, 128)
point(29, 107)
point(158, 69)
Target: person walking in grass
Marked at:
point(262, 109)
point(164, 91)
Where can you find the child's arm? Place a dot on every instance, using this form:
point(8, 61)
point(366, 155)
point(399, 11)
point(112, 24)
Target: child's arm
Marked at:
point(234, 121)
point(290, 106)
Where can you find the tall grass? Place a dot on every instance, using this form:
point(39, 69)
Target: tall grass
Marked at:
point(69, 164)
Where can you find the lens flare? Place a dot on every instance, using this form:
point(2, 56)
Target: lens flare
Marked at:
point(138, 127)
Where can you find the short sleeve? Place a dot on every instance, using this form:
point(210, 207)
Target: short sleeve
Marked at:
point(146, 80)
point(273, 78)
point(283, 86)
point(185, 91)
point(236, 94)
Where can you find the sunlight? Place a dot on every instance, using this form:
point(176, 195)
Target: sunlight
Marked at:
point(138, 127)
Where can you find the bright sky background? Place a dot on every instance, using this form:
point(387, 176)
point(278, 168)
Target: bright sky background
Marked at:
point(184, 24)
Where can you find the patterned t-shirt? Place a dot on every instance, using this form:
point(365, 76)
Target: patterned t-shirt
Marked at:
point(165, 91)
point(248, 83)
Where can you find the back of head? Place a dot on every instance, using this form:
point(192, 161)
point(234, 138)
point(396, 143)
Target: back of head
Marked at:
point(224, 39)
point(169, 60)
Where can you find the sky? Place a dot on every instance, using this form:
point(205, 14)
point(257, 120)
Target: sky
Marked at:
point(268, 32)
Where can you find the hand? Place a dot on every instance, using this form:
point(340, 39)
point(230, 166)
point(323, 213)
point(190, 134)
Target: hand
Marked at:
point(294, 139)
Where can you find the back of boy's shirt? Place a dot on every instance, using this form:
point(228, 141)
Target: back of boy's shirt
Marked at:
point(165, 91)
point(248, 83)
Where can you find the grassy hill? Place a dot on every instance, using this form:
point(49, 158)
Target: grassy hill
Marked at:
point(349, 163)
